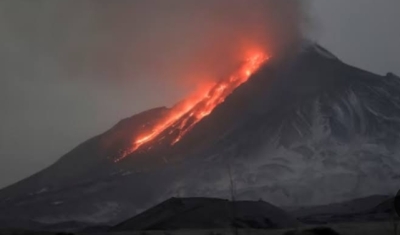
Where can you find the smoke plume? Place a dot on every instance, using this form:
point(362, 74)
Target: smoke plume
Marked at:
point(188, 40)
point(181, 40)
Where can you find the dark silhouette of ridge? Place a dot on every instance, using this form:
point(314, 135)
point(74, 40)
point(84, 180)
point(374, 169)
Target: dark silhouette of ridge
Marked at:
point(208, 213)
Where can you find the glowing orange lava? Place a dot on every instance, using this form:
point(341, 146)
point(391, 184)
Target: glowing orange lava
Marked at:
point(185, 115)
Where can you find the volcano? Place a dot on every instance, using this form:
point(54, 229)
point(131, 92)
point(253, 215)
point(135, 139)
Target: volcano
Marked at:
point(301, 129)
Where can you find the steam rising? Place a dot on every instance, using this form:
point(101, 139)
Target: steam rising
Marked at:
point(183, 41)
point(190, 40)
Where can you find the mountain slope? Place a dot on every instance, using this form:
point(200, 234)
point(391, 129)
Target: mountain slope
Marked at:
point(305, 129)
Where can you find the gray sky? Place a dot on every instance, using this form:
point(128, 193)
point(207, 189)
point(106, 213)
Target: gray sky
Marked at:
point(364, 33)
point(49, 105)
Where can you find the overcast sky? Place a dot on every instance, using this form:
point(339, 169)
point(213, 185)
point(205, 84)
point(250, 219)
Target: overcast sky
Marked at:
point(47, 108)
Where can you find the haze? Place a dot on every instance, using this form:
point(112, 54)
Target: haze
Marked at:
point(60, 85)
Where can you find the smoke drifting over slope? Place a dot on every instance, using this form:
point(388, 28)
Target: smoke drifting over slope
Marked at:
point(178, 39)
point(189, 40)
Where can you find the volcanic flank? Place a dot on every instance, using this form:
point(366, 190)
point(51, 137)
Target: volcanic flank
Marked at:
point(184, 116)
point(303, 129)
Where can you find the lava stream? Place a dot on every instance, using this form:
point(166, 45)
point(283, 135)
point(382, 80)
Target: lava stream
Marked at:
point(185, 115)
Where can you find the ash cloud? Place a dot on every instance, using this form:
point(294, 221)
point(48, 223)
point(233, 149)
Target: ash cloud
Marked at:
point(188, 40)
point(178, 40)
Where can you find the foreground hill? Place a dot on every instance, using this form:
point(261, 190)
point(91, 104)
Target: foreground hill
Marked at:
point(208, 213)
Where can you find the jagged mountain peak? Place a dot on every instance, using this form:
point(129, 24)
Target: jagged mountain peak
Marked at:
point(313, 47)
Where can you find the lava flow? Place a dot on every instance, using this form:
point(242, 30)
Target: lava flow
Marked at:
point(185, 115)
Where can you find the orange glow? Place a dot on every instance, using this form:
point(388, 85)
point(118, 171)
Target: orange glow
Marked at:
point(185, 115)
